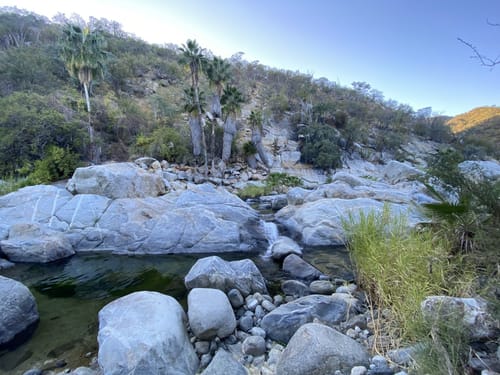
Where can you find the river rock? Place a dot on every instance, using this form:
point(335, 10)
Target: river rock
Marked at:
point(254, 346)
point(224, 363)
point(284, 246)
point(116, 180)
point(18, 309)
point(197, 219)
point(144, 333)
point(210, 313)
point(472, 312)
point(35, 243)
point(321, 287)
point(214, 272)
point(299, 268)
point(294, 288)
point(319, 223)
point(281, 323)
point(316, 349)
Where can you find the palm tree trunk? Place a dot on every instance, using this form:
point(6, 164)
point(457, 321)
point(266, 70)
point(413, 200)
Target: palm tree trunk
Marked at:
point(200, 120)
point(257, 141)
point(94, 154)
point(229, 132)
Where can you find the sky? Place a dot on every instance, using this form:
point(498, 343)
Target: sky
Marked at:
point(407, 49)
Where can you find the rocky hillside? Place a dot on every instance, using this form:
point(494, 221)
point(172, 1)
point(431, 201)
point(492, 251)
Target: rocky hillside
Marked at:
point(482, 123)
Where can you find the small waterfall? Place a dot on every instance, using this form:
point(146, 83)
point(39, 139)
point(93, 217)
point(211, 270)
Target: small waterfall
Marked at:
point(271, 233)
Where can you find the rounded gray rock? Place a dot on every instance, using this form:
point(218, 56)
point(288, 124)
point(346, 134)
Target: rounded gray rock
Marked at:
point(18, 309)
point(254, 346)
point(210, 313)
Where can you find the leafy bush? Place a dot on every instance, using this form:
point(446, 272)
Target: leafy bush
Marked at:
point(278, 182)
point(249, 149)
point(320, 146)
point(58, 164)
point(165, 143)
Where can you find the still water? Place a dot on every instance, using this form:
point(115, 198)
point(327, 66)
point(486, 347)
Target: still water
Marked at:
point(70, 293)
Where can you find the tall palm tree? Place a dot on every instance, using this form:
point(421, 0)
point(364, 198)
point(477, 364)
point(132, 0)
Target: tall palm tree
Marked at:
point(231, 102)
point(218, 73)
point(84, 56)
point(256, 120)
point(194, 56)
point(191, 107)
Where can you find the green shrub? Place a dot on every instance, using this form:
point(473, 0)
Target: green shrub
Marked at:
point(249, 149)
point(320, 146)
point(398, 268)
point(165, 143)
point(58, 164)
point(278, 182)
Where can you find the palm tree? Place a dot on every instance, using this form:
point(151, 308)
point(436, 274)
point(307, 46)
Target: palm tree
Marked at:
point(231, 103)
point(256, 120)
point(218, 73)
point(84, 56)
point(194, 56)
point(191, 107)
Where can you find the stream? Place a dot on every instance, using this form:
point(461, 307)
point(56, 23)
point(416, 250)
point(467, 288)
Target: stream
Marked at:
point(70, 293)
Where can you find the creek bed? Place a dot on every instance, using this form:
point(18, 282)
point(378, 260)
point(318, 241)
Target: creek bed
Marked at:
point(71, 292)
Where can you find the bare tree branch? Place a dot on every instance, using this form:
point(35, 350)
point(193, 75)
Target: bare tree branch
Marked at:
point(484, 60)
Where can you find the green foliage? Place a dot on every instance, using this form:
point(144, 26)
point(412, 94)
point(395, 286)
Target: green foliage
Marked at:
point(398, 268)
point(58, 164)
point(275, 182)
point(249, 149)
point(320, 146)
point(165, 143)
point(231, 100)
point(29, 123)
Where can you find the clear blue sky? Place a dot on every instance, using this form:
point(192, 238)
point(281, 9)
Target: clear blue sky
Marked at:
point(408, 49)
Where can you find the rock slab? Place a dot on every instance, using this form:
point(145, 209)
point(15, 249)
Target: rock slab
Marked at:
point(144, 333)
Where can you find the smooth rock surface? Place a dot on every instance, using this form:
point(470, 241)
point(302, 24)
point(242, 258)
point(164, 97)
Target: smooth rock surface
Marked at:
point(116, 180)
point(35, 243)
point(224, 363)
point(210, 313)
point(299, 268)
point(281, 323)
point(144, 333)
point(18, 309)
point(214, 272)
point(284, 246)
point(316, 349)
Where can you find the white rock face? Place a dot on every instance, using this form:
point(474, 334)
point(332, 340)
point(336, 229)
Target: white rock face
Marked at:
point(17, 310)
point(210, 313)
point(144, 333)
point(116, 180)
point(479, 169)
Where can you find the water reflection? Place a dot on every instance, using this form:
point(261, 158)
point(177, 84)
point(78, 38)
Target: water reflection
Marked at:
point(70, 293)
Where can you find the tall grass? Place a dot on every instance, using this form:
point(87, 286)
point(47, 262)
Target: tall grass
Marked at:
point(398, 268)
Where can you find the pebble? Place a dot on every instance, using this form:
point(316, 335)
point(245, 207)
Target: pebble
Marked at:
point(252, 303)
point(278, 300)
point(257, 331)
point(202, 347)
point(254, 345)
point(245, 323)
point(358, 370)
point(268, 305)
point(205, 360)
point(259, 312)
point(235, 298)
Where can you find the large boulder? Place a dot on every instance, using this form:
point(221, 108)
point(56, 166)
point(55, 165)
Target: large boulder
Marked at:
point(281, 323)
point(214, 272)
point(210, 313)
point(472, 313)
point(198, 219)
point(18, 310)
point(395, 172)
point(320, 222)
point(116, 180)
point(144, 333)
point(35, 243)
point(316, 349)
